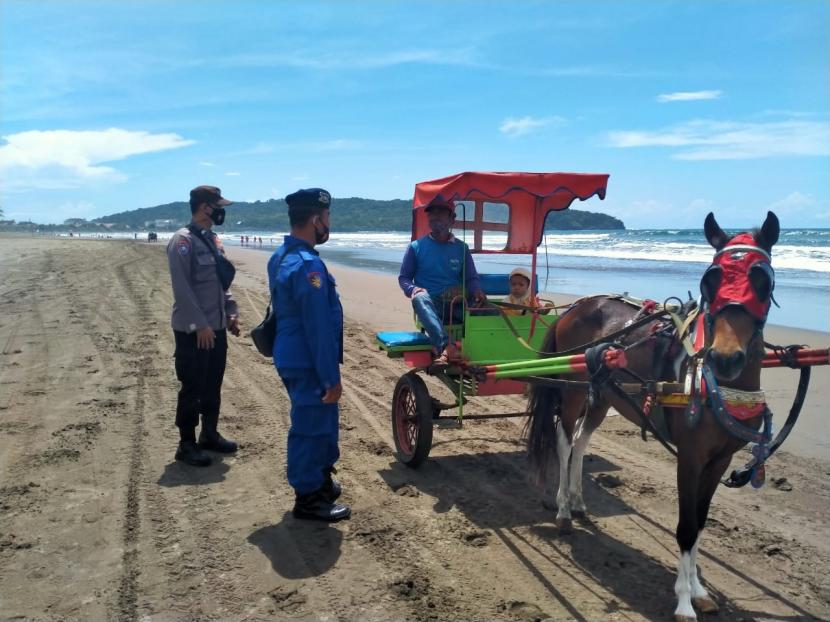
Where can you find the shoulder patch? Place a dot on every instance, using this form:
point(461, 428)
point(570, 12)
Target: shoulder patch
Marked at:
point(315, 279)
point(307, 256)
point(183, 246)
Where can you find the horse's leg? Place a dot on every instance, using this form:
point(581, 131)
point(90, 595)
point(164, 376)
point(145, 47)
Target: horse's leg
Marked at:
point(710, 478)
point(586, 426)
point(688, 484)
point(569, 421)
point(563, 504)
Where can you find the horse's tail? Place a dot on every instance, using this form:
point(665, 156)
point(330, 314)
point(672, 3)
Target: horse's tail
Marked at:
point(544, 409)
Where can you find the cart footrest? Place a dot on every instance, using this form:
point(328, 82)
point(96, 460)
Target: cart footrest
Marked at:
point(403, 341)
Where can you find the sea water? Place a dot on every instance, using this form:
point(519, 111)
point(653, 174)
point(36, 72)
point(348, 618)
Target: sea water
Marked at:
point(655, 264)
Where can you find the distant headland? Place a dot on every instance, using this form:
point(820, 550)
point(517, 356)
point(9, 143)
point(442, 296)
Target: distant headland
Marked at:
point(348, 214)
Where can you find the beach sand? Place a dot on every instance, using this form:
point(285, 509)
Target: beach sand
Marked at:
point(97, 521)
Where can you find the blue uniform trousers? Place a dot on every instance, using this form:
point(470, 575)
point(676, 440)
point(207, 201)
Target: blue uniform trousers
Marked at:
point(312, 439)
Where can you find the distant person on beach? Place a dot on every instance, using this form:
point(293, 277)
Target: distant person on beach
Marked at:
point(307, 353)
point(519, 281)
point(203, 310)
point(431, 275)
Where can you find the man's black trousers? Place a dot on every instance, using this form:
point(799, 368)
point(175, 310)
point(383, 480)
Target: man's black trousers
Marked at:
point(201, 373)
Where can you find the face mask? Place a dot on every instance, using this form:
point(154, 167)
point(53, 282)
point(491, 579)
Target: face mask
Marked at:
point(218, 215)
point(321, 237)
point(439, 228)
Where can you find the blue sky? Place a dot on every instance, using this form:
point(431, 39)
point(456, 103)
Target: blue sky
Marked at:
point(690, 106)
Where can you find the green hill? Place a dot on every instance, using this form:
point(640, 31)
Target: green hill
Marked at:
point(351, 214)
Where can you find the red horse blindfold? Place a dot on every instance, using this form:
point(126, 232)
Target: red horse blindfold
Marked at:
point(740, 275)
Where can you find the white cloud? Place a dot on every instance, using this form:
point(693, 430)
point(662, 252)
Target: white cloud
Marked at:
point(688, 96)
point(206, 164)
point(340, 60)
point(713, 140)
point(794, 202)
point(233, 173)
point(526, 125)
point(69, 158)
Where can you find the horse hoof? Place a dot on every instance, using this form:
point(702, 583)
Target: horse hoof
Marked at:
point(679, 618)
point(705, 604)
point(564, 525)
point(580, 514)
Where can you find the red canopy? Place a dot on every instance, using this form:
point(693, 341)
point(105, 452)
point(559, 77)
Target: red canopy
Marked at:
point(530, 197)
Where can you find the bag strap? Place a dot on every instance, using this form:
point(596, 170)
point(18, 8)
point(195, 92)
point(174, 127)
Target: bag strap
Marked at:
point(211, 247)
point(199, 234)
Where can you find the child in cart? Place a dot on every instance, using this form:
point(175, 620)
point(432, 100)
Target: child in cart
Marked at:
point(520, 293)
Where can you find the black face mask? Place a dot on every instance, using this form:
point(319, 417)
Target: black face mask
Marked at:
point(218, 215)
point(321, 238)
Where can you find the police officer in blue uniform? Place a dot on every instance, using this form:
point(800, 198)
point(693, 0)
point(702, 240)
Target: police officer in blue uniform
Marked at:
point(307, 354)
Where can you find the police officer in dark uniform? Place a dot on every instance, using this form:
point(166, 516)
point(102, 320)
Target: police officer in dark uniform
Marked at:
point(307, 353)
point(203, 310)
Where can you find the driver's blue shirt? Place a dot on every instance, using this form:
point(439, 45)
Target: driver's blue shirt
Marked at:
point(437, 266)
point(309, 315)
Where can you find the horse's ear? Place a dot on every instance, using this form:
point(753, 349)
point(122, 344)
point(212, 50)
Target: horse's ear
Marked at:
point(714, 234)
point(769, 231)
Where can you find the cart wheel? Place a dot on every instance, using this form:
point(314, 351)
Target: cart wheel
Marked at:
point(412, 420)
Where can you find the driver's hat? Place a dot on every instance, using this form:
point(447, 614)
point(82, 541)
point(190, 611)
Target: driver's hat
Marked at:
point(440, 203)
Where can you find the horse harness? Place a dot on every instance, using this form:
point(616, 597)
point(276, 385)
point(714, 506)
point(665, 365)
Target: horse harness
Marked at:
point(749, 283)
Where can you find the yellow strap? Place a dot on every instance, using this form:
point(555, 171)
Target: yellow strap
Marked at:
point(682, 327)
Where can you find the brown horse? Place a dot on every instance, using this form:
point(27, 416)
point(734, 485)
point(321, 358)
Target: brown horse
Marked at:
point(736, 292)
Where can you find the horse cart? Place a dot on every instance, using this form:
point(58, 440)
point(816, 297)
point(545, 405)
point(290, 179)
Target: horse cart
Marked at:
point(505, 213)
point(687, 372)
point(501, 213)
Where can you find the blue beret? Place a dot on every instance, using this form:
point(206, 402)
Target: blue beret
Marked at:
point(309, 197)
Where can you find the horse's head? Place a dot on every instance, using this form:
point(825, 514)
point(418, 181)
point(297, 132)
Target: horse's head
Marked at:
point(737, 289)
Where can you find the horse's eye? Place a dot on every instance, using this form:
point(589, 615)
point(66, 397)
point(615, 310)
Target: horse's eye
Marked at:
point(762, 279)
point(710, 283)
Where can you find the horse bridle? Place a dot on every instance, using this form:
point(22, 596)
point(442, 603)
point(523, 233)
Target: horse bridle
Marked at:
point(741, 275)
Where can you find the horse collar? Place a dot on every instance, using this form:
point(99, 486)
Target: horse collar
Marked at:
point(761, 438)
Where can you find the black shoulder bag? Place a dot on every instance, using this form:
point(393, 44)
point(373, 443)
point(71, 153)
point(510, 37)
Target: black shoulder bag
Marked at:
point(224, 268)
point(264, 334)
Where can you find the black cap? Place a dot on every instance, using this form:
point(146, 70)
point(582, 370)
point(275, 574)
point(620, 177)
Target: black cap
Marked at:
point(207, 194)
point(439, 203)
point(309, 197)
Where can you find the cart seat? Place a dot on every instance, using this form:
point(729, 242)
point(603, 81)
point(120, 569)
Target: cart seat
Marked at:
point(499, 284)
point(400, 340)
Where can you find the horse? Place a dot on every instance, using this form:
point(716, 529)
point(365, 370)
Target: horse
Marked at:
point(736, 293)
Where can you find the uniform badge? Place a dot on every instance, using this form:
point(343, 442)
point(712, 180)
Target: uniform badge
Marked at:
point(183, 246)
point(315, 280)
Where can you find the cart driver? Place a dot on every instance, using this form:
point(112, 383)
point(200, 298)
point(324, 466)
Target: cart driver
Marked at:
point(431, 275)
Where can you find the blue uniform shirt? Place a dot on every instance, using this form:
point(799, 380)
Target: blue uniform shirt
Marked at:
point(436, 266)
point(309, 315)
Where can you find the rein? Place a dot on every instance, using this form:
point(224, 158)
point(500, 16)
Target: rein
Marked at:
point(749, 472)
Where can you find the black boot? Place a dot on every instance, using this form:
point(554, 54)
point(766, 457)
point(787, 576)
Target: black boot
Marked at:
point(189, 453)
point(316, 507)
point(331, 490)
point(209, 437)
